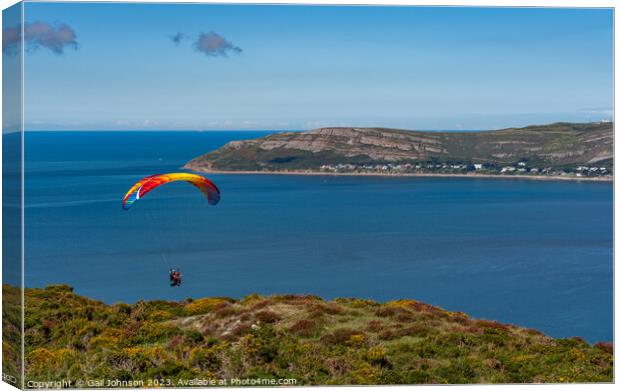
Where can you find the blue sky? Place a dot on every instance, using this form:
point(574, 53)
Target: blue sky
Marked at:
point(300, 67)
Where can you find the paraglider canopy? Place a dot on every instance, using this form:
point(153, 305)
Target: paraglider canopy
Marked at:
point(146, 184)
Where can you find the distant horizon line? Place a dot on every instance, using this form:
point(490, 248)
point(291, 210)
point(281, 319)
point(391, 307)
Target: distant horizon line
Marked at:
point(305, 130)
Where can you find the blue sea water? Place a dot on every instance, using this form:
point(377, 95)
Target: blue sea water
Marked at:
point(534, 253)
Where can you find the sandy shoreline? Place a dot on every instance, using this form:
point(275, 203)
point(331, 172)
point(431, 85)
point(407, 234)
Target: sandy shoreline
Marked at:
point(421, 175)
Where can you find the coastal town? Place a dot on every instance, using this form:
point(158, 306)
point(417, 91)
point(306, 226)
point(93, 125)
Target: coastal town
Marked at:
point(520, 168)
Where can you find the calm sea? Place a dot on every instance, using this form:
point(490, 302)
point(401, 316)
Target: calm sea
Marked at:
point(537, 254)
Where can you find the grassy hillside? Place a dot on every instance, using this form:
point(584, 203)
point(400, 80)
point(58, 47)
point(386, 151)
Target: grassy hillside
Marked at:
point(344, 341)
point(556, 146)
point(11, 334)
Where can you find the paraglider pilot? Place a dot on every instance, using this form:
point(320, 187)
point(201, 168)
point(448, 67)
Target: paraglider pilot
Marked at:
point(175, 277)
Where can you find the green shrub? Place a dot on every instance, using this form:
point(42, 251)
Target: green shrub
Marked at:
point(150, 332)
point(59, 288)
point(206, 359)
point(193, 336)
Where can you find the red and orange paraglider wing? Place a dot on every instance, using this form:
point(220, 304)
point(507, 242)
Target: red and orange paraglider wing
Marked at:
point(145, 185)
point(132, 194)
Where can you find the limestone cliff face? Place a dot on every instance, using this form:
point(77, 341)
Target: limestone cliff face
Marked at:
point(390, 145)
point(554, 145)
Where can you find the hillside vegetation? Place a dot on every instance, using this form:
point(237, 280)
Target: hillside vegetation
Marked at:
point(344, 341)
point(11, 335)
point(556, 146)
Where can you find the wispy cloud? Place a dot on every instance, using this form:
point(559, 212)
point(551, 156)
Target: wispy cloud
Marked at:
point(213, 44)
point(40, 34)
